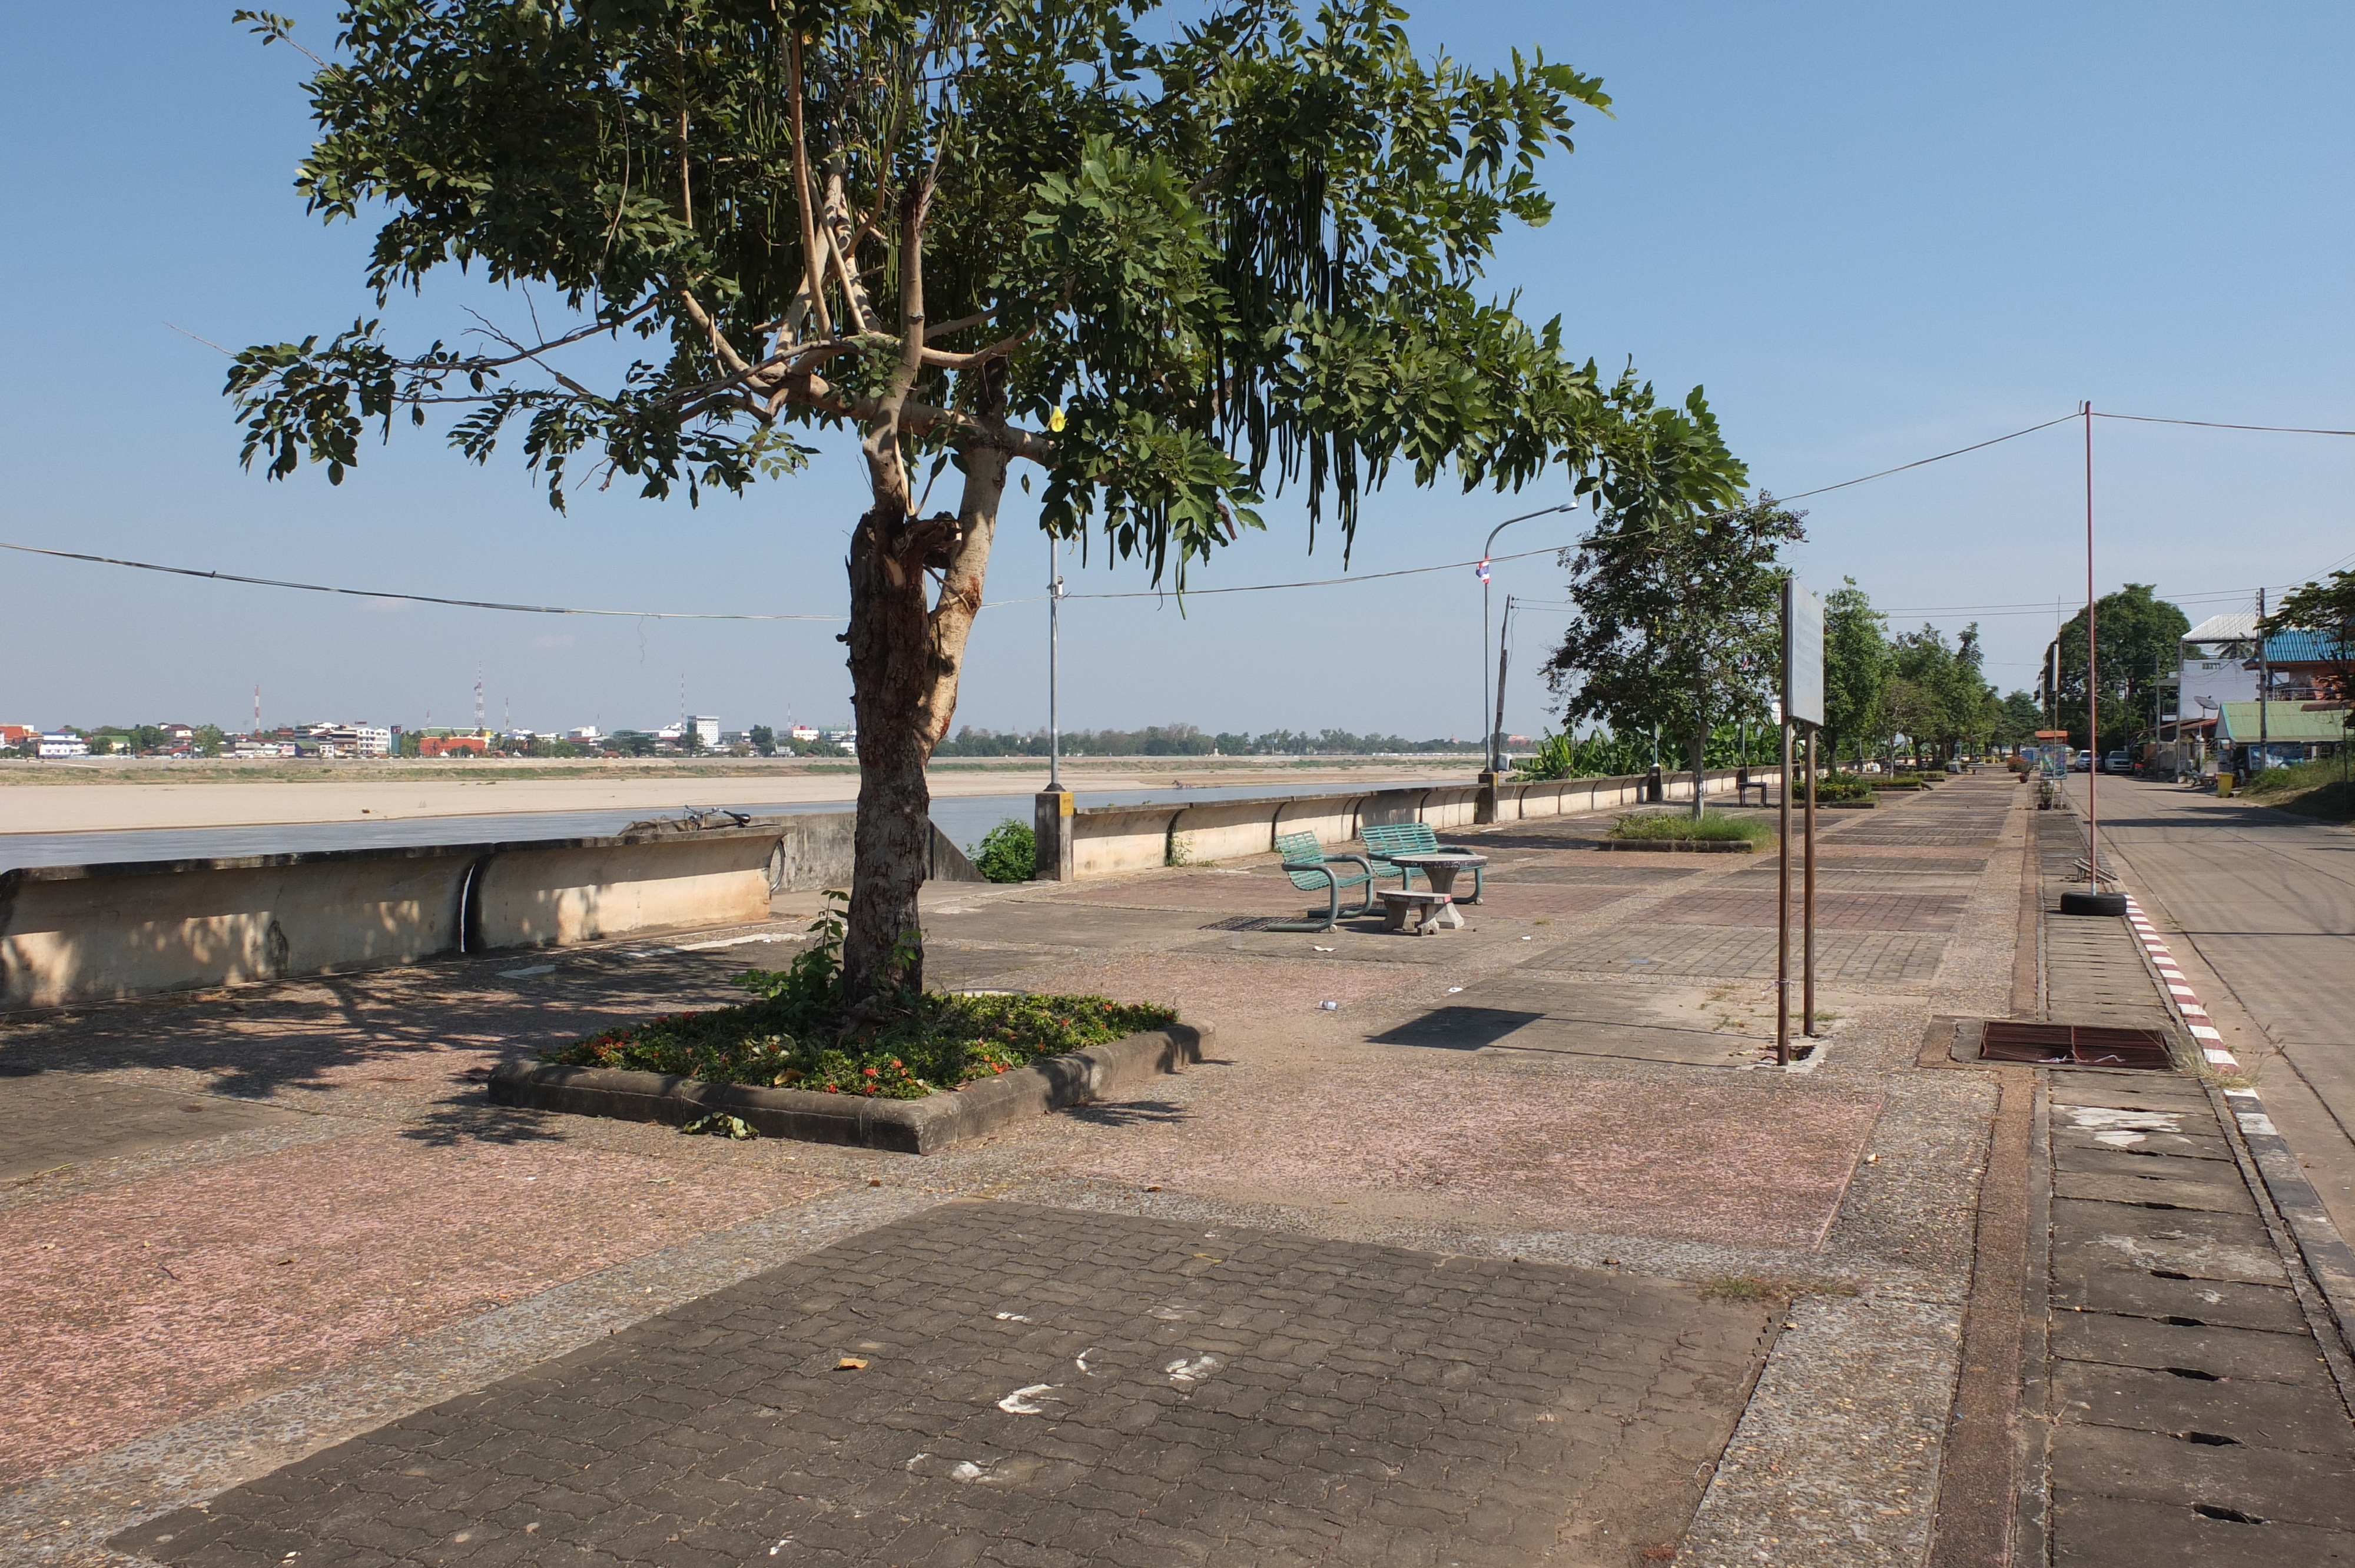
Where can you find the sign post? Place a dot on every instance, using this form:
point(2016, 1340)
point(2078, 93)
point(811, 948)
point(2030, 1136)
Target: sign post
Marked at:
point(1803, 709)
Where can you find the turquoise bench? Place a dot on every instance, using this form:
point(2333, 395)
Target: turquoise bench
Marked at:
point(1406, 838)
point(1311, 870)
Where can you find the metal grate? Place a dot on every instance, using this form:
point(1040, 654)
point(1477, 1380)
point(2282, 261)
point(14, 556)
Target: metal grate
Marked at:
point(2075, 1044)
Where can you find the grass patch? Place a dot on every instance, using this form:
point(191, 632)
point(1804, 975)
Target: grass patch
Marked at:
point(2314, 788)
point(794, 1035)
point(1715, 827)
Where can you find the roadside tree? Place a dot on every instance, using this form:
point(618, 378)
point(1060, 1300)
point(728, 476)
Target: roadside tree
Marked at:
point(2327, 610)
point(1678, 597)
point(2137, 639)
point(967, 235)
point(1856, 670)
point(763, 739)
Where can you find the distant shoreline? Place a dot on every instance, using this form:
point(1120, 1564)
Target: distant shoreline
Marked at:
point(138, 795)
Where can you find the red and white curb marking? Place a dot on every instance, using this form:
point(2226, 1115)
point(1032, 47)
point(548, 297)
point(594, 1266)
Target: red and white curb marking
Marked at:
point(2178, 990)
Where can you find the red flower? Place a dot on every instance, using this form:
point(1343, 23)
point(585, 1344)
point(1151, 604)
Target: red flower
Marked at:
point(868, 1071)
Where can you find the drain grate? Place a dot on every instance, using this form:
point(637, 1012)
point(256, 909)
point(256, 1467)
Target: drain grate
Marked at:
point(2075, 1044)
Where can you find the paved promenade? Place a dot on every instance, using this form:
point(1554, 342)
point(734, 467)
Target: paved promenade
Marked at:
point(1521, 1252)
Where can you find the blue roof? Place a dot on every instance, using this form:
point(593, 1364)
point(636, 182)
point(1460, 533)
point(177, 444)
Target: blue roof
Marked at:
point(2301, 648)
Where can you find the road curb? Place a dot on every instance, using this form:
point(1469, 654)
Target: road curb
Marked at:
point(905, 1127)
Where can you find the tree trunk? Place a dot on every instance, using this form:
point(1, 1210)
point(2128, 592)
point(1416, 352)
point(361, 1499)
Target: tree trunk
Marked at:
point(1700, 767)
point(906, 660)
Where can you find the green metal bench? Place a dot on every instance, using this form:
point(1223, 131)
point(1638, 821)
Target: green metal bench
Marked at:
point(1384, 840)
point(1311, 870)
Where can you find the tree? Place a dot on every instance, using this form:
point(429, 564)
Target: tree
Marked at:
point(1679, 598)
point(210, 739)
point(763, 739)
point(1856, 669)
point(2019, 719)
point(2327, 610)
point(2137, 639)
point(969, 234)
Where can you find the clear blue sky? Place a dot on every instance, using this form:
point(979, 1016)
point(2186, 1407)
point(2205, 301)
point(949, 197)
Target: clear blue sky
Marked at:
point(1873, 232)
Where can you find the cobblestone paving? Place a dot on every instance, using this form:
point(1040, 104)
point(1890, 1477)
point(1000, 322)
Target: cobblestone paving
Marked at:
point(1835, 910)
point(1862, 958)
point(1008, 1384)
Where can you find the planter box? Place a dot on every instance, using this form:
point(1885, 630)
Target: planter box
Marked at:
point(1686, 846)
point(906, 1127)
point(1866, 805)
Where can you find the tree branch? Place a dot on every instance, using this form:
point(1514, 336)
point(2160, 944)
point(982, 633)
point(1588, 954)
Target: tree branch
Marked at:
point(813, 265)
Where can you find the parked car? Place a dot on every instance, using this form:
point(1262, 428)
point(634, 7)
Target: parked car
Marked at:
point(2082, 762)
point(2118, 762)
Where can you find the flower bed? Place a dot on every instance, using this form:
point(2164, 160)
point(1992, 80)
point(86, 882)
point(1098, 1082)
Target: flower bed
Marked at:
point(794, 1035)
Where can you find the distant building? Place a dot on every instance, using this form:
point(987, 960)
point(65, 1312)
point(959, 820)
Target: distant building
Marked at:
point(584, 734)
point(804, 731)
point(17, 733)
point(352, 739)
point(706, 731)
point(64, 744)
point(452, 745)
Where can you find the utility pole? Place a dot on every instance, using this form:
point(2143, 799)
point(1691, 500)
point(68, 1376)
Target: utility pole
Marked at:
point(2264, 689)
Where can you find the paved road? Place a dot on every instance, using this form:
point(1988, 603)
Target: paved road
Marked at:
point(2266, 901)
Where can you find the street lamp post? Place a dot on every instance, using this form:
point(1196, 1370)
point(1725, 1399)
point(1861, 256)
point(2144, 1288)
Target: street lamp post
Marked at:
point(1488, 749)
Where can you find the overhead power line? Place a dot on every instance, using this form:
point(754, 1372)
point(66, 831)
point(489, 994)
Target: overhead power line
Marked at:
point(2219, 425)
point(1140, 593)
point(420, 598)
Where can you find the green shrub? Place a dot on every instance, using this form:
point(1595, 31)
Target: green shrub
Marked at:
point(1009, 853)
point(2316, 789)
point(1713, 827)
point(794, 1036)
point(1843, 786)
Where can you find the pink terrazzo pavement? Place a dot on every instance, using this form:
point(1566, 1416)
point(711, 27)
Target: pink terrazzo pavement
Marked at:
point(1747, 1161)
point(135, 1308)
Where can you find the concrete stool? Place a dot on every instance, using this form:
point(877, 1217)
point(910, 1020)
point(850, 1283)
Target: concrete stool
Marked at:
point(1419, 913)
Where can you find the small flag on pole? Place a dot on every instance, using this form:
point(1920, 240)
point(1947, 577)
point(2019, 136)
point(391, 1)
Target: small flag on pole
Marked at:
point(1483, 569)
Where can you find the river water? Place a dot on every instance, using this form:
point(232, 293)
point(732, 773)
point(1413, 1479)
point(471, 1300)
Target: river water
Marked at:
point(964, 819)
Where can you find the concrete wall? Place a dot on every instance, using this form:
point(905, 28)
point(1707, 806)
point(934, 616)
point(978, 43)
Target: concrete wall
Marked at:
point(86, 933)
point(1109, 839)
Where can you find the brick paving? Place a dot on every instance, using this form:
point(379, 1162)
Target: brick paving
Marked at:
point(158, 1299)
point(1867, 957)
point(1835, 909)
point(1596, 1111)
point(1033, 1386)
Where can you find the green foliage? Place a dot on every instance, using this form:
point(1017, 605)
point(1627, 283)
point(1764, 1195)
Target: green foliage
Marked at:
point(1857, 663)
point(1843, 786)
point(763, 739)
point(1711, 827)
point(1250, 243)
point(797, 1034)
point(1600, 755)
point(2136, 640)
point(1009, 853)
point(1678, 593)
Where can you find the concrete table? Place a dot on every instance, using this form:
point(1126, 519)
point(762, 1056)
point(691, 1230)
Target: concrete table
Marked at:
point(1441, 867)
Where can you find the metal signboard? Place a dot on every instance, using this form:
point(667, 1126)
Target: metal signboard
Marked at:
point(1803, 655)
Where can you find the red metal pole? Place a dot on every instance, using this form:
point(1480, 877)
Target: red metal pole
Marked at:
point(2092, 682)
